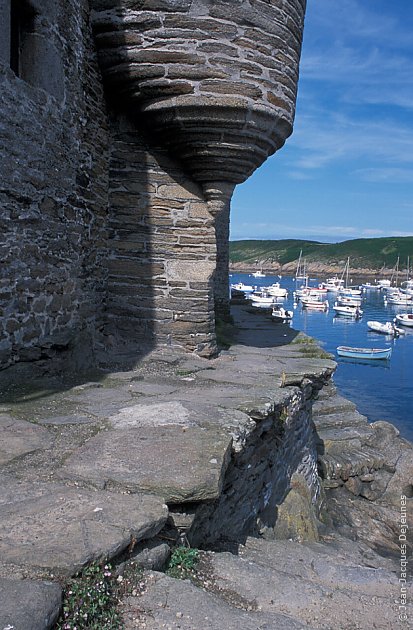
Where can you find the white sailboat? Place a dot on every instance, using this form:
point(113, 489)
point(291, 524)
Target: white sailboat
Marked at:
point(301, 274)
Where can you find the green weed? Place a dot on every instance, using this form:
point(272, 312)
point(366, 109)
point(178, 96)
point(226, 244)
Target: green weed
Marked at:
point(90, 601)
point(182, 562)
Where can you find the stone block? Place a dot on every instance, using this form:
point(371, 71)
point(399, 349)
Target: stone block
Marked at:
point(48, 526)
point(147, 459)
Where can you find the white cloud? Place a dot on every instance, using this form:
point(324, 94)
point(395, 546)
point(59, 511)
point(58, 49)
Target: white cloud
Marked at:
point(386, 175)
point(270, 230)
point(322, 138)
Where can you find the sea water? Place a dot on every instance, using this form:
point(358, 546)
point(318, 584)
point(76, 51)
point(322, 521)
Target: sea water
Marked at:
point(381, 389)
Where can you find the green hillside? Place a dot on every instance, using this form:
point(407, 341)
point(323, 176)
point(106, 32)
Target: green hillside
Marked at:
point(373, 253)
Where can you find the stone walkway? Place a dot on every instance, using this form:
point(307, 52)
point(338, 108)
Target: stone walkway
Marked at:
point(87, 468)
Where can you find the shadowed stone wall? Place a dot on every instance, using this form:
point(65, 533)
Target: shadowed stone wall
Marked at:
point(53, 186)
point(162, 249)
point(114, 227)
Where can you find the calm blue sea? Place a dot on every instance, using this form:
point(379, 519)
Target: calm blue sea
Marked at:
point(382, 390)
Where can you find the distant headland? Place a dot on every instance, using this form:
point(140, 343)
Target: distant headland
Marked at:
point(368, 256)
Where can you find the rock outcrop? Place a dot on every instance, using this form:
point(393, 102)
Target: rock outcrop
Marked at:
point(121, 465)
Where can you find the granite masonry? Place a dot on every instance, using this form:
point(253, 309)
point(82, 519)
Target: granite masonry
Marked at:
point(125, 126)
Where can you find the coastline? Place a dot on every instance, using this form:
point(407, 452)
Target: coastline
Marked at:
point(315, 269)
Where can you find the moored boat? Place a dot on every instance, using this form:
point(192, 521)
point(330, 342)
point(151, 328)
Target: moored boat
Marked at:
point(368, 286)
point(405, 319)
point(334, 284)
point(364, 353)
point(281, 315)
point(347, 311)
point(387, 328)
point(276, 290)
point(258, 274)
point(313, 302)
point(261, 298)
point(344, 300)
point(243, 288)
point(399, 299)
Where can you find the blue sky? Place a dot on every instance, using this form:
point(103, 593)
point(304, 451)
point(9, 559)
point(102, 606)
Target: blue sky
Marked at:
point(347, 170)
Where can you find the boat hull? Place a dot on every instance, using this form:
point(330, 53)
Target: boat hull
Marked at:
point(364, 353)
point(405, 320)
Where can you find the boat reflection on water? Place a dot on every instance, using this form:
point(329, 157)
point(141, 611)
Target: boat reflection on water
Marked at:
point(384, 365)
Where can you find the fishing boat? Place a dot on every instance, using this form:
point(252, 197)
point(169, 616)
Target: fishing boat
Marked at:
point(261, 298)
point(276, 290)
point(387, 328)
point(314, 302)
point(243, 288)
point(334, 284)
point(347, 311)
point(368, 286)
point(383, 283)
point(258, 274)
point(364, 353)
point(344, 300)
point(398, 299)
point(281, 315)
point(405, 319)
point(319, 290)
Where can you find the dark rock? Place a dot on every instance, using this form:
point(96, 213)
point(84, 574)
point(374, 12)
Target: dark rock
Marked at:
point(28, 605)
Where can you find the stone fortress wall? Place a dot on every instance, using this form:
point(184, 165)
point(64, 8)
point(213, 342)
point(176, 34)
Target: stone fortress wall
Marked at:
point(126, 125)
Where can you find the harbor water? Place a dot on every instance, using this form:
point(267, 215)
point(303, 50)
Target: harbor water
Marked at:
point(381, 389)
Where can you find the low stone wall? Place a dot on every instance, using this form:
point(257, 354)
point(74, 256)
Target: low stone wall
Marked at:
point(277, 443)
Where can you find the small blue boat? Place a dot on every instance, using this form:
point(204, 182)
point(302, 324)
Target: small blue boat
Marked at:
point(364, 353)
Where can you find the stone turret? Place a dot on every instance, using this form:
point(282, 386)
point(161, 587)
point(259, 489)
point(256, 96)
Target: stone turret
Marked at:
point(115, 199)
point(214, 84)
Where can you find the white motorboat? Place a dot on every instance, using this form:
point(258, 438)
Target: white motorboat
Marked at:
point(334, 284)
point(399, 299)
point(383, 283)
point(243, 288)
point(307, 290)
point(404, 319)
point(368, 286)
point(348, 311)
point(387, 328)
point(406, 287)
point(261, 298)
point(276, 290)
point(258, 274)
point(350, 292)
point(343, 300)
point(314, 302)
point(281, 315)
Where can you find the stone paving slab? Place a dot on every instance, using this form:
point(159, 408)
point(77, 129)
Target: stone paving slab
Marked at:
point(320, 605)
point(321, 565)
point(179, 605)
point(57, 528)
point(28, 604)
point(178, 463)
point(18, 437)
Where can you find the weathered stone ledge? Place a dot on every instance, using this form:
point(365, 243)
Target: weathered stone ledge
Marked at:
point(203, 452)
